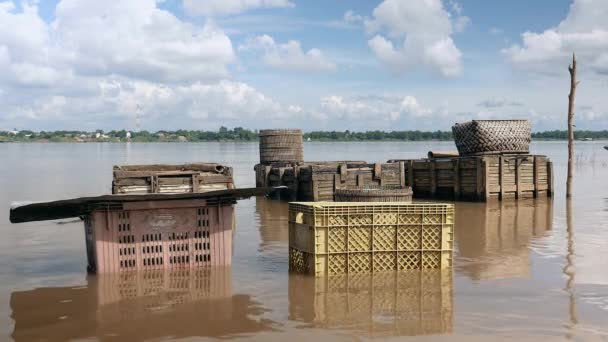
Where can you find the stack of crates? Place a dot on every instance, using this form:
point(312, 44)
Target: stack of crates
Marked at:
point(328, 238)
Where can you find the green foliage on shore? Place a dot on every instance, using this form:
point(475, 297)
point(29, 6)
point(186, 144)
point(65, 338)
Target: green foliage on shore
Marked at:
point(242, 134)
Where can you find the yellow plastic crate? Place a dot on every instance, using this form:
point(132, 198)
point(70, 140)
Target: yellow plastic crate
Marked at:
point(328, 238)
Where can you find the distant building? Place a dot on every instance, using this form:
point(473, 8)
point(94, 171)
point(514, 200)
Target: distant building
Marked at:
point(182, 138)
point(97, 135)
point(13, 132)
point(128, 135)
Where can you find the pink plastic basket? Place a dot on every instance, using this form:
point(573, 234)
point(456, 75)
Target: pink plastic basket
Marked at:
point(135, 236)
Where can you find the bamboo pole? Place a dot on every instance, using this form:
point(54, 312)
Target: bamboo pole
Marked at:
point(573, 84)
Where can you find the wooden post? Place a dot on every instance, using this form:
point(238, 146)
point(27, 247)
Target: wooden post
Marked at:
point(402, 174)
point(550, 178)
point(432, 178)
point(343, 172)
point(518, 163)
point(315, 190)
point(480, 179)
point(410, 173)
point(573, 84)
point(377, 171)
point(501, 177)
point(456, 178)
point(336, 182)
point(486, 178)
point(535, 175)
point(195, 182)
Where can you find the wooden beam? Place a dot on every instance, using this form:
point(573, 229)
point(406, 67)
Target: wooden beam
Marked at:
point(517, 177)
point(501, 177)
point(486, 179)
point(550, 178)
point(535, 175)
point(573, 84)
point(410, 173)
point(432, 177)
point(402, 174)
point(456, 178)
point(480, 180)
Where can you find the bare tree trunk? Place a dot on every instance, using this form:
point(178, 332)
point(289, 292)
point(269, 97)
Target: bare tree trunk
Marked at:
point(573, 84)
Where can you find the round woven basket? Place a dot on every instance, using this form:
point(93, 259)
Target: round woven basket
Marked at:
point(374, 194)
point(492, 136)
point(281, 145)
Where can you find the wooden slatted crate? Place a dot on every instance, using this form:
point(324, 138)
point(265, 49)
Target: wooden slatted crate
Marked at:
point(196, 177)
point(480, 178)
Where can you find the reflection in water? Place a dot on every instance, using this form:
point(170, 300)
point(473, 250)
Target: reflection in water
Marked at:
point(137, 306)
point(493, 238)
point(379, 305)
point(569, 270)
point(273, 222)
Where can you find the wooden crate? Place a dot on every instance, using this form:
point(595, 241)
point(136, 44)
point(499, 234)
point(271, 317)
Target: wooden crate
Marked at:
point(198, 177)
point(318, 182)
point(480, 178)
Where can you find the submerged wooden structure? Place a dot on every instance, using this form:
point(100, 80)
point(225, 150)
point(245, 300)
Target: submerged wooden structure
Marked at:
point(472, 178)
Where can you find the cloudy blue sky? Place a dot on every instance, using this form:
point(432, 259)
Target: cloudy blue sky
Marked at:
point(358, 65)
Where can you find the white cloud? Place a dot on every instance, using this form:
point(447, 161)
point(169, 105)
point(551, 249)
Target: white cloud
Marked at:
point(288, 56)
point(96, 61)
point(224, 7)
point(374, 111)
point(584, 31)
point(352, 18)
point(419, 33)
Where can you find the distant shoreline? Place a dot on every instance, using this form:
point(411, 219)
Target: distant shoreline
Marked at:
point(247, 141)
point(239, 134)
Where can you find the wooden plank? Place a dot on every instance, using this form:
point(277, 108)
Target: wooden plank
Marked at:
point(480, 180)
point(501, 177)
point(486, 173)
point(315, 190)
point(432, 177)
point(343, 172)
point(456, 163)
point(535, 176)
point(195, 167)
point(550, 178)
point(195, 183)
point(85, 205)
point(143, 174)
point(517, 179)
point(337, 181)
point(377, 171)
point(410, 173)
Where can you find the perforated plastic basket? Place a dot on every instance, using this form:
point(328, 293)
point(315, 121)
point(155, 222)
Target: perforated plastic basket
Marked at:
point(336, 238)
point(154, 235)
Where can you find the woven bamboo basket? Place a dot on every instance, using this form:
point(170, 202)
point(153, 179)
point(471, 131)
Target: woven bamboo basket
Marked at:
point(281, 145)
point(374, 193)
point(492, 136)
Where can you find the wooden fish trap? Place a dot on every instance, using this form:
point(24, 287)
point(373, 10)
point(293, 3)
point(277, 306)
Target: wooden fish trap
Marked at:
point(318, 182)
point(479, 178)
point(185, 178)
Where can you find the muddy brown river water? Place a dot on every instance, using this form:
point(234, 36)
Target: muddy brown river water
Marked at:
point(531, 270)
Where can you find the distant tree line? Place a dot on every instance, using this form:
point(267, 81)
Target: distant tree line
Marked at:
point(242, 134)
